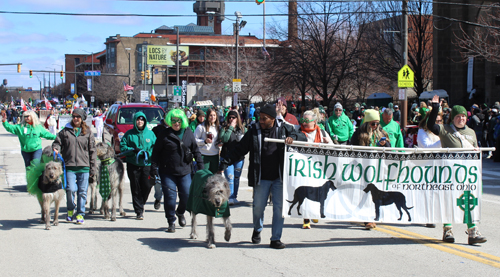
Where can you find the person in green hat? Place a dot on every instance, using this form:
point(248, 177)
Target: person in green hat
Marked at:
point(455, 134)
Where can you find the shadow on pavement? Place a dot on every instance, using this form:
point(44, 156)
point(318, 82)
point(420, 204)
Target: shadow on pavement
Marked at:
point(18, 224)
point(169, 244)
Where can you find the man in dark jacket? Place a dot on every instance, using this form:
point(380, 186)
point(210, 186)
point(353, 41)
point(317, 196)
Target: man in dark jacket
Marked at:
point(265, 172)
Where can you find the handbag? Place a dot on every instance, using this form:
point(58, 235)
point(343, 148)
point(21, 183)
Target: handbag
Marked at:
point(188, 155)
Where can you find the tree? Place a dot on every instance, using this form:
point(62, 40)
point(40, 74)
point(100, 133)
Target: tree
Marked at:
point(483, 41)
point(384, 36)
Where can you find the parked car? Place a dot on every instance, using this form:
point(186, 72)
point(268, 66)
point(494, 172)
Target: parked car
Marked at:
point(119, 119)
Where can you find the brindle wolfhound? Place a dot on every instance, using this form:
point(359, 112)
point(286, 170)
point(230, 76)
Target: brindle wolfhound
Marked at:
point(50, 183)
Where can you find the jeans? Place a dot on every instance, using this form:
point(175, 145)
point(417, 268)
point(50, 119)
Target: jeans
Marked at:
point(29, 156)
point(170, 184)
point(140, 186)
point(233, 173)
point(260, 197)
point(77, 183)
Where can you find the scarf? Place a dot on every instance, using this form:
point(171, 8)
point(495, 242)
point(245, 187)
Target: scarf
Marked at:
point(104, 185)
point(316, 128)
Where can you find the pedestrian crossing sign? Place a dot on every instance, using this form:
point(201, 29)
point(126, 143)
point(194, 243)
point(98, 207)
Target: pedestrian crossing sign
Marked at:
point(405, 77)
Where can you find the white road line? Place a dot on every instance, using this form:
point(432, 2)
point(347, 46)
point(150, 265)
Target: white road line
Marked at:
point(491, 172)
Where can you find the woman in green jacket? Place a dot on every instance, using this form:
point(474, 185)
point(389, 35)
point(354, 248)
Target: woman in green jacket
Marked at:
point(139, 141)
point(29, 132)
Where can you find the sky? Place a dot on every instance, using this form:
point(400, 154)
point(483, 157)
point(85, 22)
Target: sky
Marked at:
point(40, 42)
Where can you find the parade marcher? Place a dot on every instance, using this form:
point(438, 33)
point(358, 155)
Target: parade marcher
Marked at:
point(455, 134)
point(310, 128)
point(290, 118)
point(76, 144)
point(200, 118)
point(370, 133)
point(207, 137)
point(340, 126)
point(158, 191)
point(231, 134)
point(476, 123)
point(15, 115)
point(251, 112)
point(265, 172)
point(172, 159)
point(51, 122)
point(392, 128)
point(99, 124)
point(139, 142)
point(29, 133)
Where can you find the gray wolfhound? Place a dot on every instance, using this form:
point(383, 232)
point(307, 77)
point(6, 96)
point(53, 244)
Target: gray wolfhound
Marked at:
point(50, 184)
point(116, 170)
point(94, 191)
point(212, 201)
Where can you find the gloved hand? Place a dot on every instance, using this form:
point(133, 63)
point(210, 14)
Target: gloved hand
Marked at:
point(153, 172)
point(136, 150)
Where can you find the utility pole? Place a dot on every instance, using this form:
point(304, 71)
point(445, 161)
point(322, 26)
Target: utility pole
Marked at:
point(264, 29)
point(237, 30)
point(177, 58)
point(404, 116)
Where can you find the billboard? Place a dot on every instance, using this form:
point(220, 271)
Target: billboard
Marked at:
point(165, 55)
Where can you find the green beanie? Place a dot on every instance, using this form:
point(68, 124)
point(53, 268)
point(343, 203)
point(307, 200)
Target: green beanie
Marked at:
point(456, 110)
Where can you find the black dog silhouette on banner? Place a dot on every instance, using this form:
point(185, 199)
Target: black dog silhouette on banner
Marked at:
point(385, 198)
point(317, 194)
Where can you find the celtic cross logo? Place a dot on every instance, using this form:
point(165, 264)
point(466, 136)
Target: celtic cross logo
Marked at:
point(467, 202)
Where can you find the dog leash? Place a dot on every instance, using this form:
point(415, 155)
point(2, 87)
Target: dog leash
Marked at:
point(145, 157)
point(58, 156)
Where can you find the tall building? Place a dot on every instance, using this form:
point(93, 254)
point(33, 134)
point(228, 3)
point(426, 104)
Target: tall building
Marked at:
point(450, 68)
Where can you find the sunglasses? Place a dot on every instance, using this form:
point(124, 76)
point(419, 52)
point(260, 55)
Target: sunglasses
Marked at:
point(232, 117)
point(76, 116)
point(374, 124)
point(439, 121)
point(176, 120)
point(304, 120)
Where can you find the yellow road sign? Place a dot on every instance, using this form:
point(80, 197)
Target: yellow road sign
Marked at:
point(75, 96)
point(405, 77)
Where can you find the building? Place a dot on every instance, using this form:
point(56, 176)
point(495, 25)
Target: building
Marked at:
point(450, 67)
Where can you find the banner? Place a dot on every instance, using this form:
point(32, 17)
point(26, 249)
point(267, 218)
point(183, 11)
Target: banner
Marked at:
point(392, 187)
point(165, 55)
point(89, 84)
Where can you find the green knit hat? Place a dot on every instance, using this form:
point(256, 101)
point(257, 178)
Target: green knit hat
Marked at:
point(456, 110)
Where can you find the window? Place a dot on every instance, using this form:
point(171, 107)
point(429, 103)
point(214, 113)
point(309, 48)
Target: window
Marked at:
point(77, 61)
point(153, 115)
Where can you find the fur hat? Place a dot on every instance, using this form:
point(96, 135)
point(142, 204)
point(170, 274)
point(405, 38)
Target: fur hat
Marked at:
point(456, 110)
point(232, 113)
point(371, 115)
point(269, 109)
point(81, 113)
point(338, 106)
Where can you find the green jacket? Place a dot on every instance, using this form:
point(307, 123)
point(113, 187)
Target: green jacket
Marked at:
point(143, 139)
point(194, 124)
point(394, 131)
point(340, 126)
point(29, 136)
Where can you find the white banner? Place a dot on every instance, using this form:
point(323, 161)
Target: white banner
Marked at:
point(392, 187)
point(470, 72)
point(89, 84)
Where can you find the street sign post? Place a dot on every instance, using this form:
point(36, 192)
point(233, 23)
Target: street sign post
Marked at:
point(144, 95)
point(236, 85)
point(92, 73)
point(405, 77)
point(177, 94)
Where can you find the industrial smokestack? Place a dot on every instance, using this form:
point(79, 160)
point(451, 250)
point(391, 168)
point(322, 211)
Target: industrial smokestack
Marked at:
point(292, 21)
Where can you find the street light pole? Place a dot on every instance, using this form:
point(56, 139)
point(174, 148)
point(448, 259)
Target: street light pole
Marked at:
point(237, 30)
point(177, 58)
point(405, 58)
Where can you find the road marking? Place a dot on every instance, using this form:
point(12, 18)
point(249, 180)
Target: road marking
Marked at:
point(454, 249)
point(491, 172)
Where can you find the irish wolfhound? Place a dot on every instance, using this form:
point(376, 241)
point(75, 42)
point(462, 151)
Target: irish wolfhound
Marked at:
point(116, 170)
point(216, 194)
point(50, 184)
point(94, 191)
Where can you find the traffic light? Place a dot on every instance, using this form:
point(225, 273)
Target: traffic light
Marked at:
point(31, 73)
point(62, 74)
point(260, 1)
point(18, 68)
point(147, 74)
point(142, 75)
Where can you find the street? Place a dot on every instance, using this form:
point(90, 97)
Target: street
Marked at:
point(129, 247)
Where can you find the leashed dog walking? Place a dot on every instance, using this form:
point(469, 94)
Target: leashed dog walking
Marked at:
point(50, 183)
point(385, 198)
point(111, 174)
point(209, 195)
point(317, 194)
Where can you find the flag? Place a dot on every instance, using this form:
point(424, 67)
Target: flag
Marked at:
point(153, 95)
point(265, 53)
point(77, 105)
point(23, 105)
point(48, 106)
point(127, 87)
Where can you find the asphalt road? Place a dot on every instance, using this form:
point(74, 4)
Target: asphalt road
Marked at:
point(129, 247)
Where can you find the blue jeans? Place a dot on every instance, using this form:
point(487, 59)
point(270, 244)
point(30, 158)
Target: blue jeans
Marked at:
point(78, 184)
point(170, 184)
point(29, 156)
point(260, 196)
point(233, 173)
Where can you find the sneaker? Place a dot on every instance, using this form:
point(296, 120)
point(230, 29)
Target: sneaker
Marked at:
point(370, 225)
point(79, 219)
point(236, 202)
point(448, 234)
point(70, 216)
point(315, 220)
point(475, 236)
point(277, 244)
point(171, 228)
point(255, 237)
point(231, 202)
point(182, 219)
point(140, 217)
point(306, 225)
point(157, 204)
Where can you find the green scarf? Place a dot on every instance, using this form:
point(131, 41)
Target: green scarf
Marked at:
point(104, 185)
